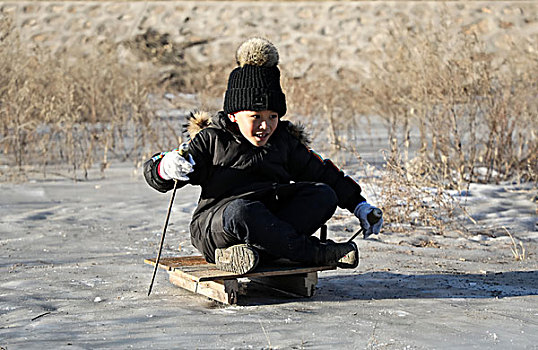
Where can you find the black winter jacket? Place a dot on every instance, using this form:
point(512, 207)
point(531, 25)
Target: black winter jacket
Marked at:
point(227, 166)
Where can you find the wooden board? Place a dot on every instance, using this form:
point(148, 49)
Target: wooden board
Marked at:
point(177, 262)
point(196, 275)
point(200, 270)
point(225, 291)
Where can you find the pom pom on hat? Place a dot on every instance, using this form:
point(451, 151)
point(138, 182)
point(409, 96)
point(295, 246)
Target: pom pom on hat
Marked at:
point(257, 52)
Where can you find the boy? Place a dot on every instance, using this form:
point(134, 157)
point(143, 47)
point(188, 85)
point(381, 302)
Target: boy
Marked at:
point(264, 193)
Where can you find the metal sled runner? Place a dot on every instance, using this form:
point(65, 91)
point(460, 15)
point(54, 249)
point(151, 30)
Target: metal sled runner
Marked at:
point(196, 275)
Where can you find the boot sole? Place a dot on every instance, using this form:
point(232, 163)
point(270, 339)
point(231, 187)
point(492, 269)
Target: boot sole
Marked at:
point(351, 260)
point(238, 259)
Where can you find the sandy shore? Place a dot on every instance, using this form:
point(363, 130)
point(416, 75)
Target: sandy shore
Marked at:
point(329, 34)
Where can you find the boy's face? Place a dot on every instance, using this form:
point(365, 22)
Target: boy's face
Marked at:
point(256, 127)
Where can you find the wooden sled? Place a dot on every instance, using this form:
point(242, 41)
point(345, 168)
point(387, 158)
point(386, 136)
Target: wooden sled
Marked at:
point(195, 274)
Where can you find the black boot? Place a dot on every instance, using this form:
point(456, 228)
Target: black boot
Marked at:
point(343, 255)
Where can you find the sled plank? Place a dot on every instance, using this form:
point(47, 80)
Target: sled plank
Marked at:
point(225, 291)
point(196, 275)
point(178, 262)
point(203, 271)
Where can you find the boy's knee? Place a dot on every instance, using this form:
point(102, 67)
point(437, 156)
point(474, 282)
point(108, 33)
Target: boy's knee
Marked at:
point(238, 209)
point(327, 194)
point(235, 207)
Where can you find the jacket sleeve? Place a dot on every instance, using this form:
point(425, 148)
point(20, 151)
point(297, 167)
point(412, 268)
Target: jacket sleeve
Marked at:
point(198, 149)
point(152, 177)
point(306, 165)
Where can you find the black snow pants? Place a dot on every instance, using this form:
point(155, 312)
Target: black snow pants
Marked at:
point(279, 226)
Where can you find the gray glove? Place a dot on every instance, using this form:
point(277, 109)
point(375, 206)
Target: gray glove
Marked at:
point(174, 166)
point(362, 212)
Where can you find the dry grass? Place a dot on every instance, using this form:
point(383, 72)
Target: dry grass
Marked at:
point(517, 248)
point(72, 108)
point(454, 112)
point(474, 116)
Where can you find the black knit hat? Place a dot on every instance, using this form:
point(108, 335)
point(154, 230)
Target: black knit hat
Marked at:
point(255, 84)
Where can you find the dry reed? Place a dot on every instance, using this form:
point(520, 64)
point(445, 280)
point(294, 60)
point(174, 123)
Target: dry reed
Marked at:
point(454, 112)
point(71, 108)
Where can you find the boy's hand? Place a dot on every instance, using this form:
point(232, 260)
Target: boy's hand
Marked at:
point(174, 166)
point(365, 212)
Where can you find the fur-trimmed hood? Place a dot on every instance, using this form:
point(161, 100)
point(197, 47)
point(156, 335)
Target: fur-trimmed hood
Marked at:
point(199, 120)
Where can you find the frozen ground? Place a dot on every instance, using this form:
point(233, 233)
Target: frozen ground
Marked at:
point(73, 277)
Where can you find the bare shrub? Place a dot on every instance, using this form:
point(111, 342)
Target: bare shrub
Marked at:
point(77, 107)
point(474, 112)
point(476, 116)
point(330, 110)
point(72, 108)
point(454, 112)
